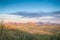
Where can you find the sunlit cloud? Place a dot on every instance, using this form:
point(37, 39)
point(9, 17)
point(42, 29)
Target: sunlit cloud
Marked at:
point(21, 19)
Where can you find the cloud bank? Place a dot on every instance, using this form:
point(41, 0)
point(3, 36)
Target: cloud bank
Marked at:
point(22, 19)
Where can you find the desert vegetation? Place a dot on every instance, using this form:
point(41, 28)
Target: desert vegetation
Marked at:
point(16, 34)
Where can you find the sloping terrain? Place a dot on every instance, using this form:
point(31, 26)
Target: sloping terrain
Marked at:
point(20, 34)
point(36, 29)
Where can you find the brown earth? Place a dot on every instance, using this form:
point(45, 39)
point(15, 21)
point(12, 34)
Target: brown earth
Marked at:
point(34, 29)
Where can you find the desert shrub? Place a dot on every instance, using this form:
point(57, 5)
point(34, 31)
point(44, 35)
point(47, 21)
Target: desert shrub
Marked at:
point(15, 34)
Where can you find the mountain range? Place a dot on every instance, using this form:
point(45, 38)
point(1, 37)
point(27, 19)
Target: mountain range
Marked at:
point(34, 23)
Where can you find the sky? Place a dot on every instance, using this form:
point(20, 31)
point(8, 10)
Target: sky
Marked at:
point(30, 10)
point(9, 6)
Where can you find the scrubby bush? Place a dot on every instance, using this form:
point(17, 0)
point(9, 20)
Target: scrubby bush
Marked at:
point(15, 34)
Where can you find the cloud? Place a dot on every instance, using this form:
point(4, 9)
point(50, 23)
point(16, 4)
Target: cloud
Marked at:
point(21, 19)
point(24, 17)
point(30, 15)
point(45, 17)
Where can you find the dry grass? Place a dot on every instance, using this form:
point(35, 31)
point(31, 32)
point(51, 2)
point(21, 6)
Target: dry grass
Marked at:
point(27, 32)
point(35, 29)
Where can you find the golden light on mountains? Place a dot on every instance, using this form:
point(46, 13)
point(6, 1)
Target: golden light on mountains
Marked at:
point(36, 25)
point(33, 28)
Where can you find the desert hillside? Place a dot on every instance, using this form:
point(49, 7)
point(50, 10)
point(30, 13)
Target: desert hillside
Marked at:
point(34, 28)
point(18, 31)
